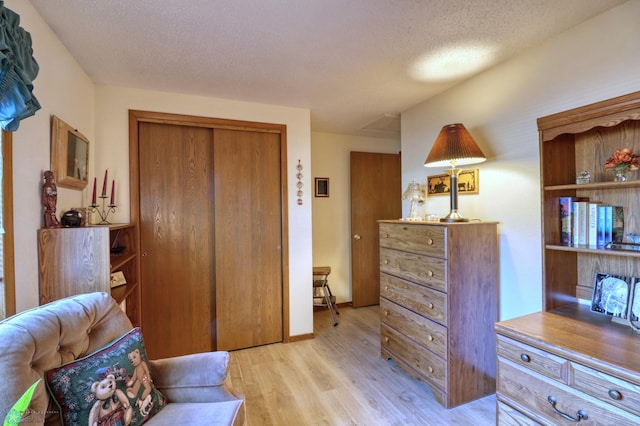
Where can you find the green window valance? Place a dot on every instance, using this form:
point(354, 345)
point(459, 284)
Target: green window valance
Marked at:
point(18, 69)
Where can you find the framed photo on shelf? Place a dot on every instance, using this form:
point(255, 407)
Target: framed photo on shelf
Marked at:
point(611, 295)
point(467, 183)
point(117, 279)
point(322, 187)
point(633, 313)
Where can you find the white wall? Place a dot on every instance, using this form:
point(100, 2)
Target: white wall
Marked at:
point(63, 89)
point(112, 137)
point(330, 157)
point(594, 61)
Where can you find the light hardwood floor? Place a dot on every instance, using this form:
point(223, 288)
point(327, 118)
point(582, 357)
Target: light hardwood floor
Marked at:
point(339, 378)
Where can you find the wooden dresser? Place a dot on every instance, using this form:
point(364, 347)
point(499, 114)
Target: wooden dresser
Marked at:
point(565, 367)
point(438, 299)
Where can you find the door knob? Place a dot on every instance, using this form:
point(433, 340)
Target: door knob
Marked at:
point(357, 237)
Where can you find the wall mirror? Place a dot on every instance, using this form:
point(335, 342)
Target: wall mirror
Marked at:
point(69, 155)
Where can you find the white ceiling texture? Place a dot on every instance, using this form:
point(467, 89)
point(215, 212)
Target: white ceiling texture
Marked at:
point(351, 62)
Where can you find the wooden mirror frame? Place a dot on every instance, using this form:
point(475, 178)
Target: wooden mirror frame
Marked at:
point(65, 156)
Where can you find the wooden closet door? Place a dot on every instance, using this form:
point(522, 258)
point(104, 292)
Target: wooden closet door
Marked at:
point(211, 236)
point(176, 238)
point(248, 238)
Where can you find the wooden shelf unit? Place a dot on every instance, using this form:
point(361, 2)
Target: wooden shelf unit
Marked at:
point(80, 260)
point(127, 261)
point(590, 363)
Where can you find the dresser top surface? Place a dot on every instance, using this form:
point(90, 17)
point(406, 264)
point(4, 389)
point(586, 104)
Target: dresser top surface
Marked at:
point(416, 222)
point(574, 332)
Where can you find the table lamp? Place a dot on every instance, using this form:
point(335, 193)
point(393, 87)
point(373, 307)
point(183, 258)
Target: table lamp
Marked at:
point(453, 147)
point(415, 194)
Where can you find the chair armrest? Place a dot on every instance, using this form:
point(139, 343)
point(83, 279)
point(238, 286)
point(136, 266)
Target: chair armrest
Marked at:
point(198, 377)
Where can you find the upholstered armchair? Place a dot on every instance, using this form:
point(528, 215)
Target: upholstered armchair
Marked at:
point(37, 340)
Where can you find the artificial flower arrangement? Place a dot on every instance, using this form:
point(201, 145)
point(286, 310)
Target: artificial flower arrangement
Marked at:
point(622, 160)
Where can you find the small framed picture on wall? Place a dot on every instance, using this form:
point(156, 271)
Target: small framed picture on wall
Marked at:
point(322, 187)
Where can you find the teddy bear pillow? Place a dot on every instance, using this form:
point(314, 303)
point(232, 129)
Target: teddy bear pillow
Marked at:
point(110, 386)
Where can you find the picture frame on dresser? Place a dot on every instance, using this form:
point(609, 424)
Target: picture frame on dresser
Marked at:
point(611, 294)
point(633, 312)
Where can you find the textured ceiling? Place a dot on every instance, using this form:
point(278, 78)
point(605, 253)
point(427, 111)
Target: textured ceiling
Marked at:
point(351, 62)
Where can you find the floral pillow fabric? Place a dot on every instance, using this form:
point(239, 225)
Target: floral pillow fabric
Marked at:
point(112, 386)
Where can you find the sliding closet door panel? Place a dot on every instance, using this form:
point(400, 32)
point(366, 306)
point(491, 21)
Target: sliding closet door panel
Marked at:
point(248, 238)
point(176, 236)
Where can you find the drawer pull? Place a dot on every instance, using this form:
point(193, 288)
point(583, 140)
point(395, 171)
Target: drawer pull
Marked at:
point(430, 338)
point(386, 288)
point(430, 305)
point(430, 369)
point(580, 415)
point(430, 273)
point(430, 241)
point(385, 236)
point(386, 261)
point(614, 394)
point(525, 358)
point(386, 339)
point(386, 313)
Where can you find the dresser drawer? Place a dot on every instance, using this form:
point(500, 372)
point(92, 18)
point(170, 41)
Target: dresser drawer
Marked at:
point(420, 269)
point(423, 239)
point(425, 301)
point(424, 363)
point(529, 357)
point(533, 392)
point(508, 416)
point(423, 331)
point(609, 389)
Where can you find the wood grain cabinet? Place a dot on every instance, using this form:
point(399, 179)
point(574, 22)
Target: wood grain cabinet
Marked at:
point(438, 301)
point(81, 260)
point(559, 368)
point(566, 364)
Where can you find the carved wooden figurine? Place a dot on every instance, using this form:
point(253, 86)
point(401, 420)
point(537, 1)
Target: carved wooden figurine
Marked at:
point(49, 200)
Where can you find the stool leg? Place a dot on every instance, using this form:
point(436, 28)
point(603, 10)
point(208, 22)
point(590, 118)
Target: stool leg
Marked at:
point(327, 298)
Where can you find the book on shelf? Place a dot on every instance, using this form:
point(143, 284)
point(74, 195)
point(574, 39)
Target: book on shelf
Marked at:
point(581, 223)
point(566, 224)
point(593, 224)
point(600, 241)
point(617, 233)
point(574, 221)
point(608, 224)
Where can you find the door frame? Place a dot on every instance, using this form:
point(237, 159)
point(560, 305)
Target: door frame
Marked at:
point(137, 116)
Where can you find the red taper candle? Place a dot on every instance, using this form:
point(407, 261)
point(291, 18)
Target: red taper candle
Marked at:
point(104, 184)
point(113, 190)
point(93, 195)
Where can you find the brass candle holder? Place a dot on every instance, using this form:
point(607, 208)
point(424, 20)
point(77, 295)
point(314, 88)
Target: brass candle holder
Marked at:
point(104, 211)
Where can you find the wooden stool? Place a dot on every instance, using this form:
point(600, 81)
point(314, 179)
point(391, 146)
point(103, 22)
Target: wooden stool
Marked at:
point(320, 282)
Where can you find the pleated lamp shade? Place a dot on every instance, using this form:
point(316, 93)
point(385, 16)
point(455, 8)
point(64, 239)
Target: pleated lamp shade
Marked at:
point(454, 146)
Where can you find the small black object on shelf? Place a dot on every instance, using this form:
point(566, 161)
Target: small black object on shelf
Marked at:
point(71, 219)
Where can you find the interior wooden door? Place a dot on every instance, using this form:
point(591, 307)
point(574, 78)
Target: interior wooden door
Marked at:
point(375, 195)
point(176, 238)
point(248, 238)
